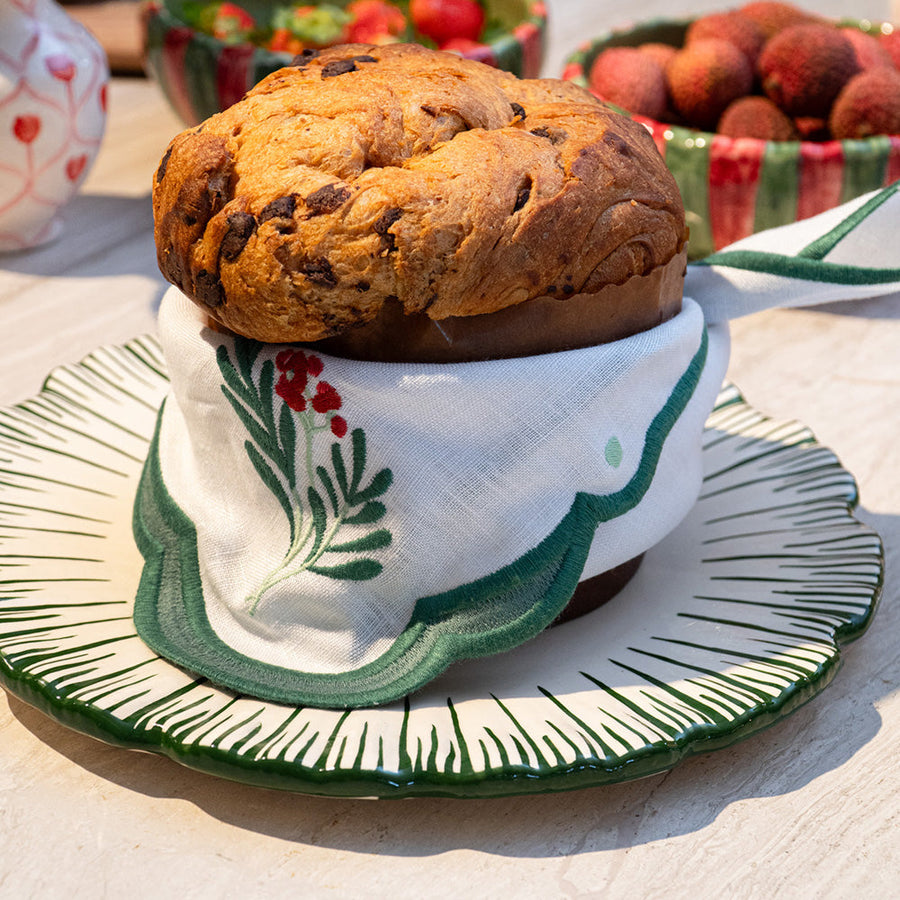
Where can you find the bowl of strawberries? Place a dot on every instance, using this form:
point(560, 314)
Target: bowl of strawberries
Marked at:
point(206, 55)
point(766, 113)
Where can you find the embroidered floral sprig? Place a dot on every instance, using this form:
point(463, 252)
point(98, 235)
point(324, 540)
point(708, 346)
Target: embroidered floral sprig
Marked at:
point(318, 501)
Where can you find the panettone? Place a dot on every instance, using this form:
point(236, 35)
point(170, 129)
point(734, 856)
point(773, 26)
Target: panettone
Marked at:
point(394, 186)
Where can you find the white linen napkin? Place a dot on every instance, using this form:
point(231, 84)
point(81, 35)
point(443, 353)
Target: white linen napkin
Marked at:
point(848, 253)
point(461, 472)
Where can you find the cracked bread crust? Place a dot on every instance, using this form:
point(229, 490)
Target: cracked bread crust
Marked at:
point(373, 174)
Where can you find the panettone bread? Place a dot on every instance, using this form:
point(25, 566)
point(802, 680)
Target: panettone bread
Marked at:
point(393, 185)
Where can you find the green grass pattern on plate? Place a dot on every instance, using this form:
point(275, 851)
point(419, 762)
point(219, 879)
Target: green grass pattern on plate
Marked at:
point(751, 597)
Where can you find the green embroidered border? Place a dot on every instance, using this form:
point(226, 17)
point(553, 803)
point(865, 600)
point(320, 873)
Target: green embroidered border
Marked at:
point(809, 263)
point(495, 613)
point(824, 244)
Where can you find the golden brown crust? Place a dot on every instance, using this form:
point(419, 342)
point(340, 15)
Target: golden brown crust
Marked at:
point(397, 174)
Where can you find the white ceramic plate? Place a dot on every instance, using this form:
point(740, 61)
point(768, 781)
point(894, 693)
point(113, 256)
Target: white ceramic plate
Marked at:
point(731, 623)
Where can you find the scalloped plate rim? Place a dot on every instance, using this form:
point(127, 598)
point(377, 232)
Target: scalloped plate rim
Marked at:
point(510, 779)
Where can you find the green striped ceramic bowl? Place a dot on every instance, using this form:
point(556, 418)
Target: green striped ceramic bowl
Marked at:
point(201, 75)
point(733, 187)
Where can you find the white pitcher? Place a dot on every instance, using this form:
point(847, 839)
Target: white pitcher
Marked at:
point(53, 82)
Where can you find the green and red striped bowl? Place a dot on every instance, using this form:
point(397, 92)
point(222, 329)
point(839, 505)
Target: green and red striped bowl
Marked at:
point(733, 187)
point(201, 75)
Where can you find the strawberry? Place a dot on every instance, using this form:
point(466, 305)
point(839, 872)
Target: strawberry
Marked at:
point(232, 23)
point(443, 20)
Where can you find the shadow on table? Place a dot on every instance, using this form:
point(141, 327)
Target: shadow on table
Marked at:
point(817, 739)
point(102, 235)
point(887, 307)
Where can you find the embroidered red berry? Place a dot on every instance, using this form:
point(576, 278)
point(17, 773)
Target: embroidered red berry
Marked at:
point(314, 366)
point(296, 361)
point(338, 426)
point(291, 386)
point(326, 398)
point(283, 360)
point(442, 20)
point(291, 391)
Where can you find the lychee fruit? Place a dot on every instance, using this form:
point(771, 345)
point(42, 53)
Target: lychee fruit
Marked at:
point(756, 117)
point(705, 77)
point(662, 53)
point(891, 42)
point(745, 34)
point(803, 68)
point(869, 51)
point(869, 104)
point(631, 79)
point(773, 17)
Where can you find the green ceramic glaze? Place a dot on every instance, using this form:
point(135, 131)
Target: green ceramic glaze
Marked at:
point(865, 165)
point(687, 156)
point(777, 204)
point(200, 60)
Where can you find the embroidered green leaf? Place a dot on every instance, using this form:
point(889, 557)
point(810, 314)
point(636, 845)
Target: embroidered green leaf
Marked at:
point(233, 380)
point(375, 540)
point(261, 426)
point(357, 570)
point(270, 479)
point(328, 484)
point(257, 432)
point(358, 442)
point(320, 520)
point(380, 482)
point(288, 433)
point(613, 452)
point(340, 471)
point(282, 435)
point(267, 393)
point(371, 512)
point(246, 352)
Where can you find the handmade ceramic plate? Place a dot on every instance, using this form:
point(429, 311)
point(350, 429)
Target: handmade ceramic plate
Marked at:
point(732, 622)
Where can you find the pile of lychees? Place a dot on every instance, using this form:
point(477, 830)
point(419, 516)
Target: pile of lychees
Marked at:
point(767, 70)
